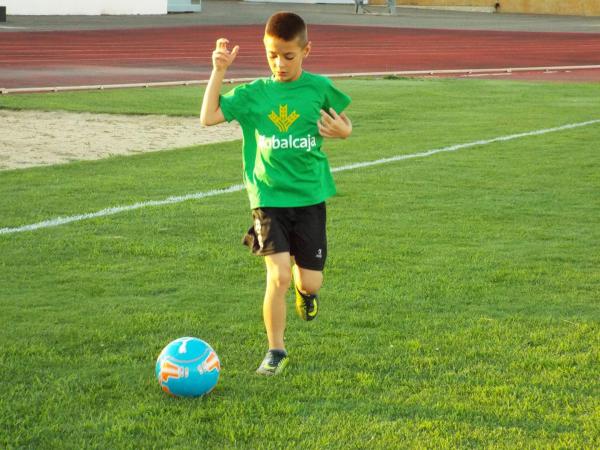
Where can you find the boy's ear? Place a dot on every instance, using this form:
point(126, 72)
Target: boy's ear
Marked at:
point(307, 49)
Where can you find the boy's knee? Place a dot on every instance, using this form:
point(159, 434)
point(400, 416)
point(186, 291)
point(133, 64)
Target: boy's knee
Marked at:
point(309, 283)
point(280, 277)
point(279, 270)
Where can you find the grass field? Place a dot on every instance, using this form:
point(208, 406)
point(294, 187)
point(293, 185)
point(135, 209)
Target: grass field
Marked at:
point(461, 306)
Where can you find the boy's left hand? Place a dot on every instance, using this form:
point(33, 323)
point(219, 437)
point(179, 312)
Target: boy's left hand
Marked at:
point(334, 125)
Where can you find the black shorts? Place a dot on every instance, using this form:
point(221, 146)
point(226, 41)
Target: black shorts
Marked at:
point(299, 231)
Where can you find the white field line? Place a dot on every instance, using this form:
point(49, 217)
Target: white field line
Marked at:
point(238, 187)
point(409, 73)
point(119, 209)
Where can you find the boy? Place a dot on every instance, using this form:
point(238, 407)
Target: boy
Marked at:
point(284, 119)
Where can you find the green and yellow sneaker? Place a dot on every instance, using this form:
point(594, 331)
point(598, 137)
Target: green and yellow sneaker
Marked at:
point(306, 305)
point(274, 363)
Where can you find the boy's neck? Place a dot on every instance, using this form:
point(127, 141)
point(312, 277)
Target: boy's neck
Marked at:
point(298, 76)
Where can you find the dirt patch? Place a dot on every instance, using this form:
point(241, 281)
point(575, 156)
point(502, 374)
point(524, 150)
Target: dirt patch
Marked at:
point(36, 138)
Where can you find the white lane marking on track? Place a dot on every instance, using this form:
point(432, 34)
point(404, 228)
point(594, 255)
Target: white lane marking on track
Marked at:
point(409, 73)
point(238, 187)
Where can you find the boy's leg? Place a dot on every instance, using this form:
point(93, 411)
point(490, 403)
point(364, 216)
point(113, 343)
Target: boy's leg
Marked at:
point(307, 284)
point(269, 237)
point(308, 244)
point(307, 281)
point(274, 307)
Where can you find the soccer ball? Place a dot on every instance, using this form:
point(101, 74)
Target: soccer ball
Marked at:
point(188, 367)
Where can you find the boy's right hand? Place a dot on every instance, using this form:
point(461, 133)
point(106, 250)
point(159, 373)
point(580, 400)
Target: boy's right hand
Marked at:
point(222, 57)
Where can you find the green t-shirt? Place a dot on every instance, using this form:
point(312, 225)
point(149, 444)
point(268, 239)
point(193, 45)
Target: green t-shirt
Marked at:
point(284, 165)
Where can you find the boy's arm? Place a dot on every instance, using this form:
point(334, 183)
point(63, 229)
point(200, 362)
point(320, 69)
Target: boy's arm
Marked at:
point(210, 113)
point(334, 125)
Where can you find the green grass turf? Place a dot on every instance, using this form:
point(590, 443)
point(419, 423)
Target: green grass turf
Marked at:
point(460, 308)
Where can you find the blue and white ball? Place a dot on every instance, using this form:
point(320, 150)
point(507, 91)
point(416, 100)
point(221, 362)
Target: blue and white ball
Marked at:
point(188, 367)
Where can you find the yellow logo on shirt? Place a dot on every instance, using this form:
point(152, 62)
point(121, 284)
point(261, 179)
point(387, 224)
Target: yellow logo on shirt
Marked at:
point(283, 121)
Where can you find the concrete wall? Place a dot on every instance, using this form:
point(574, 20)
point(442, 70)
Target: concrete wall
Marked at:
point(566, 7)
point(436, 2)
point(84, 7)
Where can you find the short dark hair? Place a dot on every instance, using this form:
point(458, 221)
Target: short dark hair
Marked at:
point(287, 26)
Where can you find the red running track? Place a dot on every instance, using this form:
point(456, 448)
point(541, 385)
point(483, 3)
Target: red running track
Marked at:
point(68, 58)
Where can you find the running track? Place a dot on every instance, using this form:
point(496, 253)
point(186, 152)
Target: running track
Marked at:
point(68, 58)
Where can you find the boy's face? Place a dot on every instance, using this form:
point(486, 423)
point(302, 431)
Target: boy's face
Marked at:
point(285, 57)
